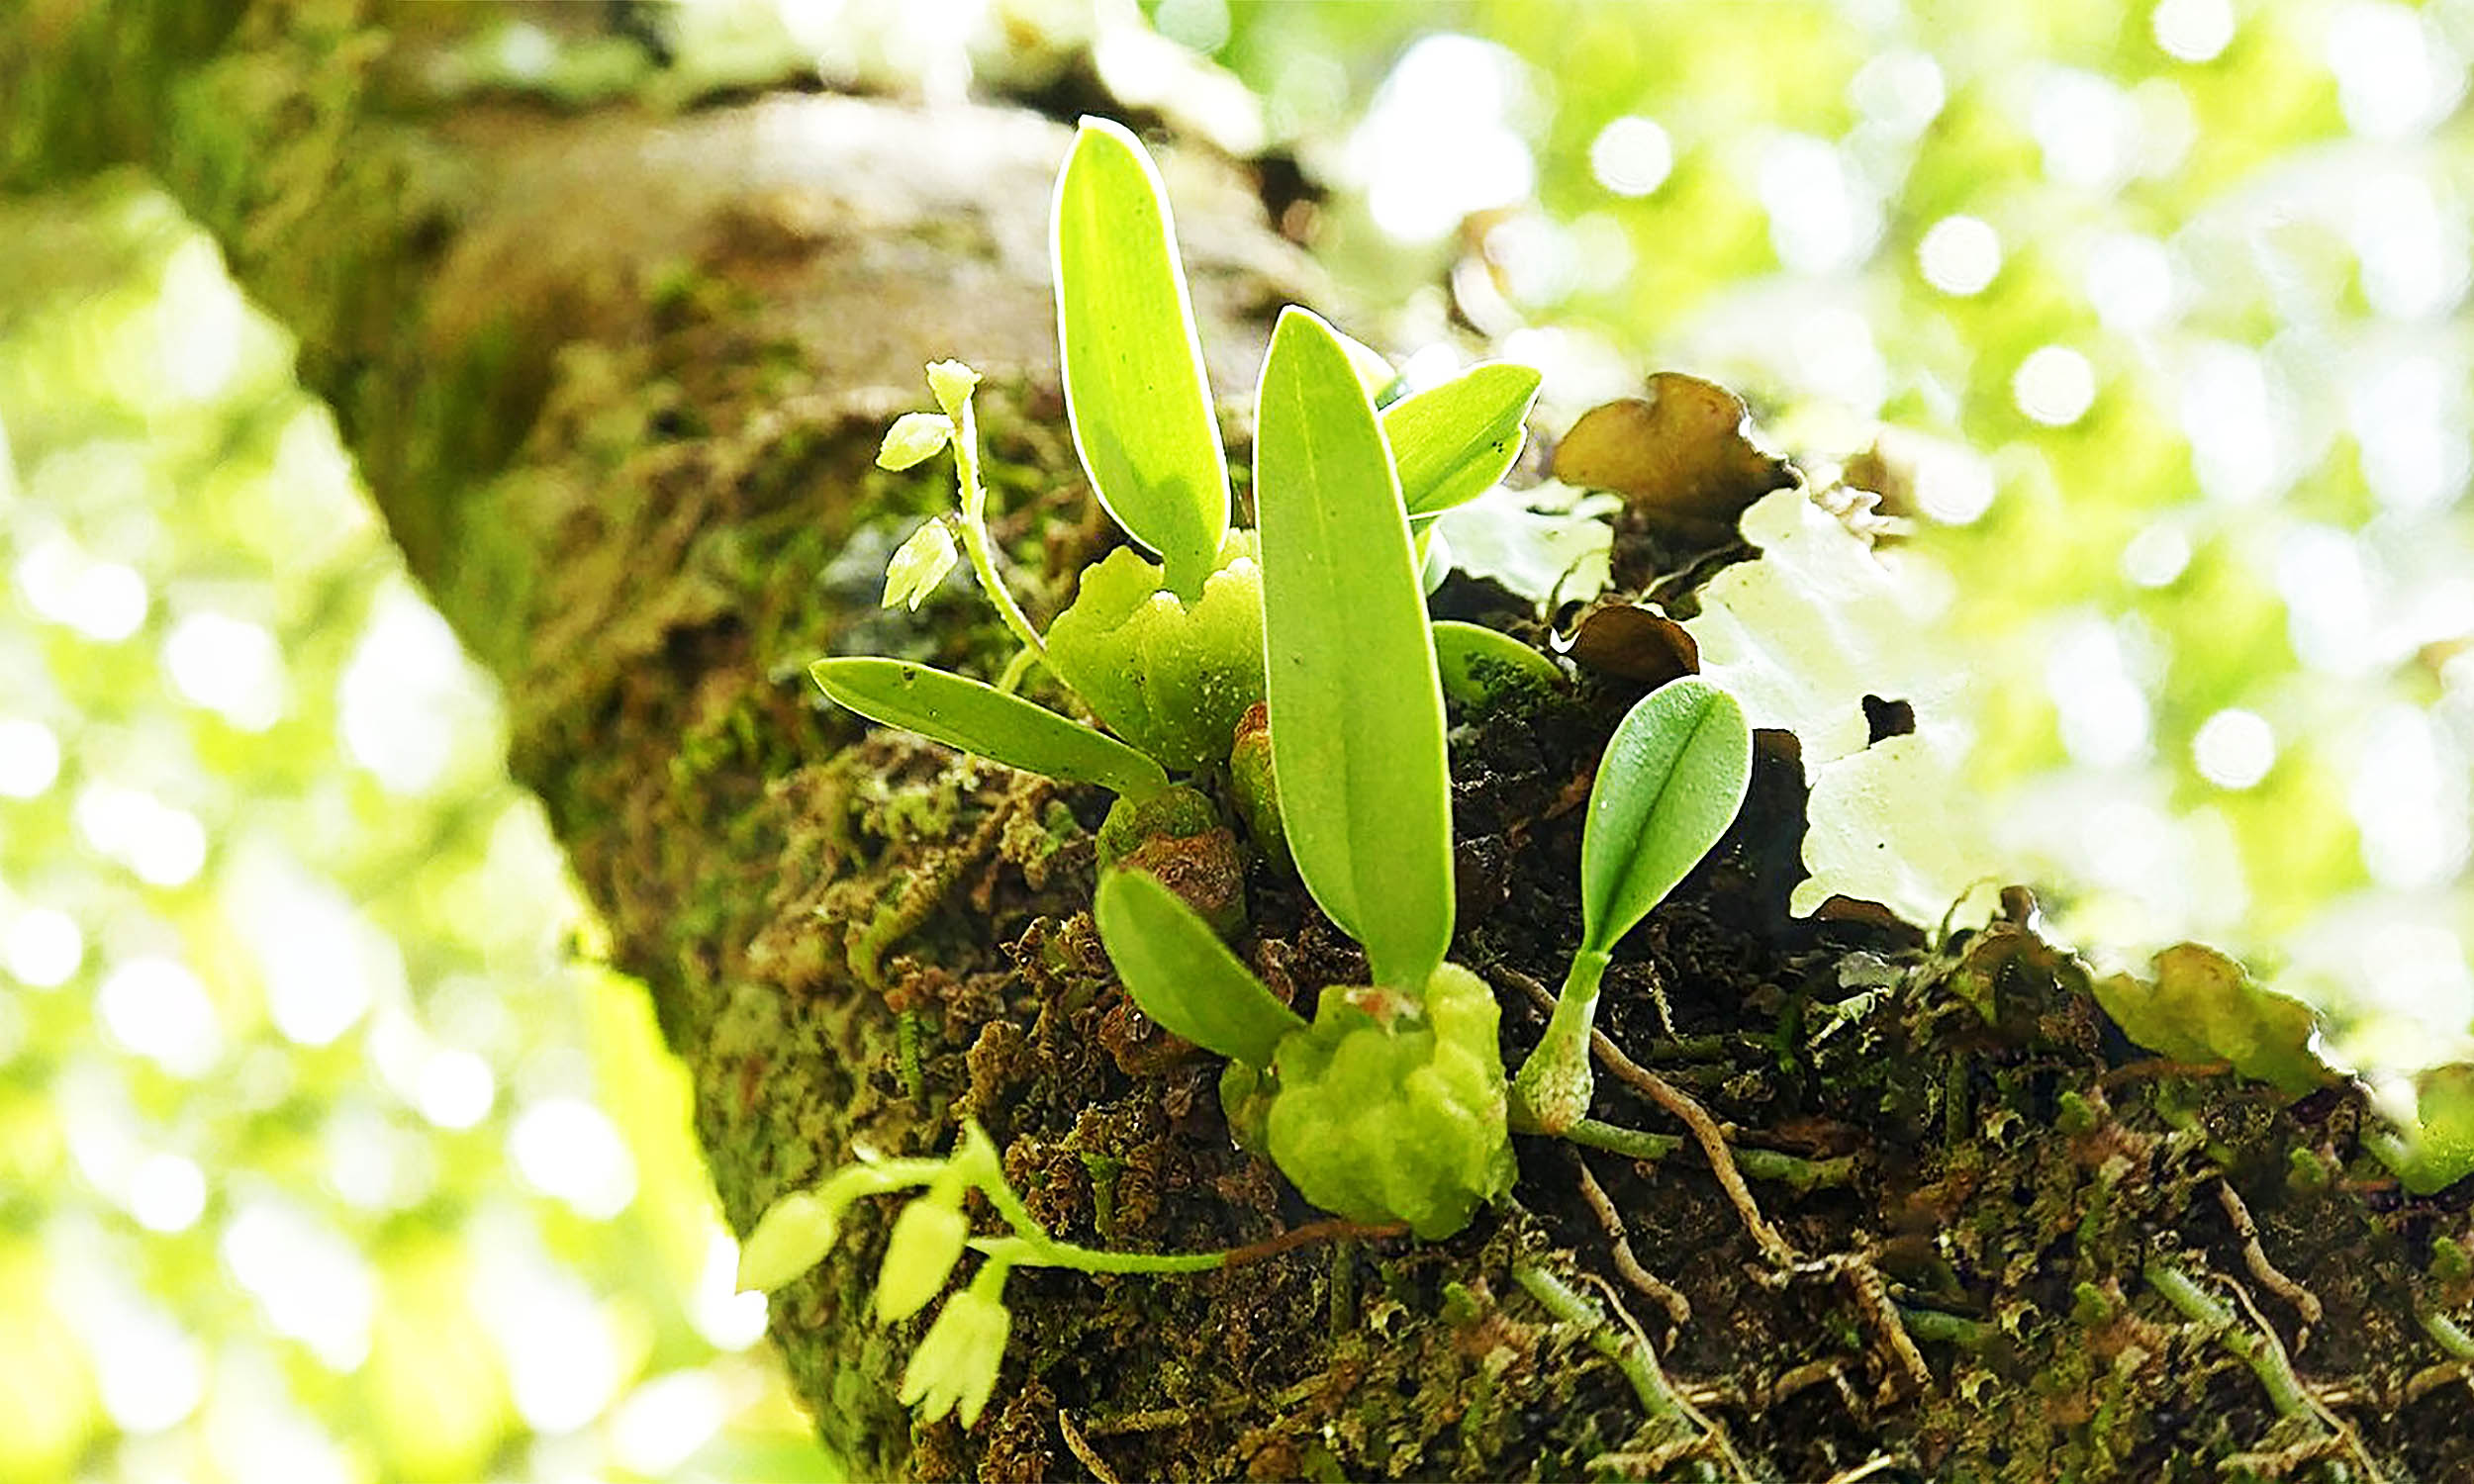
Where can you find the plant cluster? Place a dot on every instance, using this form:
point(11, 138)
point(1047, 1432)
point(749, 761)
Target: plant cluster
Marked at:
point(1290, 677)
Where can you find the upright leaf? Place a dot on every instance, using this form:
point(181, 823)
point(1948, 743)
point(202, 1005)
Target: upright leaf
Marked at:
point(1669, 784)
point(1182, 975)
point(1453, 442)
point(1356, 708)
point(962, 712)
point(1136, 390)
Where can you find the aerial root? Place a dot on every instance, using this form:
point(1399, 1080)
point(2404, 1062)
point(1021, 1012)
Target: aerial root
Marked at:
point(2256, 1345)
point(1665, 1295)
point(2255, 1257)
point(1081, 1447)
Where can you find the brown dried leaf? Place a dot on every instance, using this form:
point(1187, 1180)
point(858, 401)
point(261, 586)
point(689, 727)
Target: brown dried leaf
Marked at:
point(1633, 642)
point(1679, 454)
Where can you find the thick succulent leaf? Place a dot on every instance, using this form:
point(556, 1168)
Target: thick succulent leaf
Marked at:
point(1452, 442)
point(1669, 784)
point(1356, 707)
point(1477, 663)
point(978, 718)
point(1135, 389)
point(1182, 974)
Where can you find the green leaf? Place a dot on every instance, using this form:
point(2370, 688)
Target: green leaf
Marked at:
point(1477, 663)
point(919, 565)
point(962, 712)
point(1452, 442)
point(1356, 707)
point(1669, 784)
point(1375, 370)
point(1182, 975)
point(1135, 389)
point(915, 437)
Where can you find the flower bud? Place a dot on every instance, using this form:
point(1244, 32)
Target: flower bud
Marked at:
point(927, 1241)
point(919, 565)
point(952, 382)
point(791, 1238)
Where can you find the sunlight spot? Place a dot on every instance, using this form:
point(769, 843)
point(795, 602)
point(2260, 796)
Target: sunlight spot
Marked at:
point(561, 1347)
point(2193, 31)
point(199, 319)
point(2055, 386)
point(1632, 156)
point(157, 1008)
point(725, 1317)
point(2327, 581)
point(1960, 255)
point(455, 1089)
point(2102, 712)
point(403, 694)
point(2086, 127)
point(106, 601)
point(1901, 91)
point(166, 1193)
point(2233, 749)
point(30, 758)
point(2405, 422)
point(230, 666)
point(2229, 412)
point(1820, 219)
point(2157, 556)
point(2409, 799)
point(663, 1422)
point(1954, 485)
point(2130, 279)
point(42, 948)
point(566, 1147)
point(151, 1373)
point(1437, 143)
point(311, 1282)
point(2413, 253)
point(2394, 77)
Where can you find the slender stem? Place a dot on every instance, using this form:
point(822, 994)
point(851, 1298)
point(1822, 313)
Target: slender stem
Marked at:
point(1018, 670)
point(974, 532)
point(1022, 1251)
point(1637, 1365)
point(2265, 1358)
point(1618, 1139)
point(2445, 1334)
point(1552, 1091)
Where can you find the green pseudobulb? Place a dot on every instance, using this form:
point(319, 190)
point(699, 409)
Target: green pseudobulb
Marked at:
point(1170, 679)
point(1383, 1111)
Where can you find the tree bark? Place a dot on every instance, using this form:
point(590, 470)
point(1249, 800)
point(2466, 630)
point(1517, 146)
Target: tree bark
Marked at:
point(616, 377)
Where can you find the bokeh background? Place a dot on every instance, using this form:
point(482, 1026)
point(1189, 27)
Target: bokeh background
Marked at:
point(329, 1153)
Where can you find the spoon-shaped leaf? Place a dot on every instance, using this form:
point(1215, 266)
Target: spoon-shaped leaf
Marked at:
point(1452, 442)
point(1356, 708)
point(1669, 784)
point(1182, 975)
point(1136, 390)
point(962, 712)
point(1477, 663)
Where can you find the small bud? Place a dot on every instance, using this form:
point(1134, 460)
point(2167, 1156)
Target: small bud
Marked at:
point(790, 1239)
point(919, 565)
point(954, 1369)
point(952, 382)
point(926, 1242)
point(913, 437)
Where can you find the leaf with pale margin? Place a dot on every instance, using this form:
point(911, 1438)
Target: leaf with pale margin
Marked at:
point(1135, 389)
point(1452, 442)
point(981, 719)
point(1669, 784)
point(1356, 706)
point(1181, 974)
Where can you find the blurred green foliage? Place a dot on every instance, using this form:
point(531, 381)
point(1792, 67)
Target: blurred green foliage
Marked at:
point(324, 1155)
